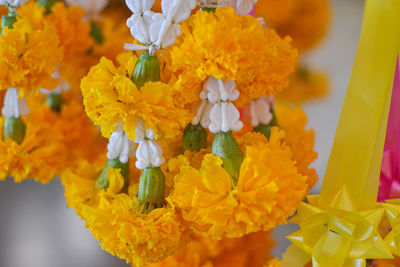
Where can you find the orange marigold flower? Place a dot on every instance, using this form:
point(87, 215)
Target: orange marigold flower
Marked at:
point(306, 21)
point(114, 220)
point(273, 263)
point(72, 29)
point(111, 96)
point(231, 47)
point(40, 156)
point(251, 250)
point(76, 131)
point(22, 50)
point(268, 190)
point(293, 121)
point(387, 263)
point(305, 85)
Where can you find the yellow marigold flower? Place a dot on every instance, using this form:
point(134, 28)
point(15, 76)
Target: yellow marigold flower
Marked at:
point(306, 21)
point(131, 236)
point(305, 86)
point(301, 141)
point(252, 250)
point(40, 156)
point(188, 158)
point(110, 96)
point(22, 53)
point(231, 47)
point(80, 178)
point(268, 190)
point(113, 218)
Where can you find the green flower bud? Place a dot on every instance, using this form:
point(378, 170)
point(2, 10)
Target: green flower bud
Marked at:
point(225, 146)
point(14, 129)
point(151, 190)
point(96, 33)
point(265, 129)
point(147, 69)
point(8, 20)
point(55, 101)
point(47, 4)
point(209, 9)
point(103, 182)
point(194, 138)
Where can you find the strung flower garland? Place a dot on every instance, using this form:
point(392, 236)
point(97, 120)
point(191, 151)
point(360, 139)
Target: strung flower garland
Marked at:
point(201, 180)
point(29, 150)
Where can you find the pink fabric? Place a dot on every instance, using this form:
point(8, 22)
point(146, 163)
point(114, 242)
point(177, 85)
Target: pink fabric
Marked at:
point(389, 184)
point(252, 12)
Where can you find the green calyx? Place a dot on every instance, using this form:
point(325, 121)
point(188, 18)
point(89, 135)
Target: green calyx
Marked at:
point(47, 4)
point(194, 138)
point(265, 129)
point(103, 182)
point(225, 146)
point(209, 9)
point(8, 20)
point(304, 72)
point(151, 190)
point(55, 101)
point(14, 129)
point(147, 69)
point(96, 33)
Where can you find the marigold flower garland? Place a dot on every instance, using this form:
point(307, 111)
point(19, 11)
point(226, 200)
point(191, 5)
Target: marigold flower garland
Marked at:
point(181, 172)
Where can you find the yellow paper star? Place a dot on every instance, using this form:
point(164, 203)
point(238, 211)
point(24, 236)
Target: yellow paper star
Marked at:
point(338, 235)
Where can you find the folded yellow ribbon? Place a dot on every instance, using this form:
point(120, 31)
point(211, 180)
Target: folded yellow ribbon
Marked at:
point(339, 227)
point(339, 235)
point(358, 146)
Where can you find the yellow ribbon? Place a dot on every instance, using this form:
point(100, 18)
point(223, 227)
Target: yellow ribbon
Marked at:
point(357, 149)
point(339, 227)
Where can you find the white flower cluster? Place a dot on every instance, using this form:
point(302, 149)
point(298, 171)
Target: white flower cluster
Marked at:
point(242, 7)
point(217, 111)
point(260, 110)
point(149, 152)
point(92, 7)
point(14, 106)
point(12, 4)
point(120, 147)
point(156, 30)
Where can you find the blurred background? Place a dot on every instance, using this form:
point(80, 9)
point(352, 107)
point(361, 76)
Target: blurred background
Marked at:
point(38, 230)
